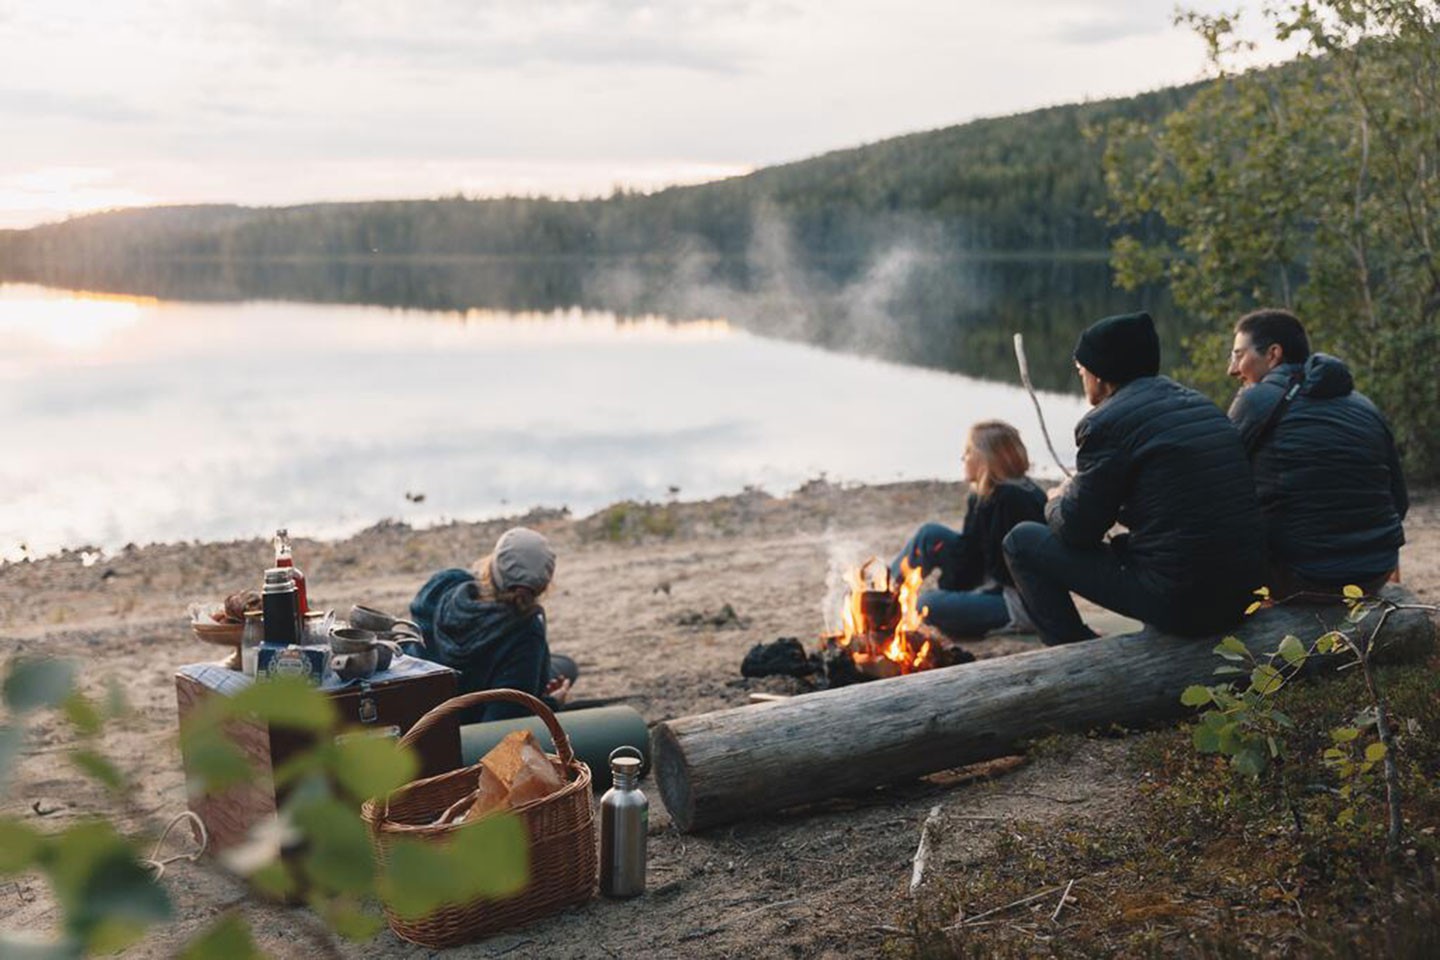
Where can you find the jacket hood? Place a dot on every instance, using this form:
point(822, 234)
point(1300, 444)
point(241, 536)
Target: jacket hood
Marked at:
point(462, 628)
point(1326, 377)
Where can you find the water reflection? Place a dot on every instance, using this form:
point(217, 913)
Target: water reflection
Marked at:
point(906, 305)
point(214, 420)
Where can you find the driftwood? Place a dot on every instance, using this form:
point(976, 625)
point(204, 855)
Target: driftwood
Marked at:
point(730, 764)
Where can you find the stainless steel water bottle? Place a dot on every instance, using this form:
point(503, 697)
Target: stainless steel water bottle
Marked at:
point(624, 823)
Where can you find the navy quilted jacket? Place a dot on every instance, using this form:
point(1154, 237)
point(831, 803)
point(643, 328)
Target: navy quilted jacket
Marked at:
point(1327, 473)
point(1164, 462)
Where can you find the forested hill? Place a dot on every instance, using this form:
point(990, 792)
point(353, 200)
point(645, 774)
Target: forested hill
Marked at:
point(1029, 182)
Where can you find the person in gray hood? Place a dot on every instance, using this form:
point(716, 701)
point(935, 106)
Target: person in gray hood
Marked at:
point(487, 624)
point(1326, 469)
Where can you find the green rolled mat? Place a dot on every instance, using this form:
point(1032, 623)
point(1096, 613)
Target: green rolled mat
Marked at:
point(593, 734)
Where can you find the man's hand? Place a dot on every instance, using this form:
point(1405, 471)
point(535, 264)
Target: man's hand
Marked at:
point(558, 689)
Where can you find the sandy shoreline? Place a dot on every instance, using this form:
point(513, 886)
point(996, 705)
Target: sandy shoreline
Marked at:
point(630, 582)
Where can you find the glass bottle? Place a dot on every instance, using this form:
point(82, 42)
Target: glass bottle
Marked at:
point(283, 558)
point(251, 637)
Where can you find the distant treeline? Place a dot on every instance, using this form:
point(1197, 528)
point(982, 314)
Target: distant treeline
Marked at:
point(1030, 182)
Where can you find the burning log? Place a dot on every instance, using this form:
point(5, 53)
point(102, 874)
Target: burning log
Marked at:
point(730, 764)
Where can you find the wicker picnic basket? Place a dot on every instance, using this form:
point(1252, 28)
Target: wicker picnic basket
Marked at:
point(561, 827)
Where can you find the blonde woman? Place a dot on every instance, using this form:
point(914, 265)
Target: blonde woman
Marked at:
point(487, 624)
point(976, 593)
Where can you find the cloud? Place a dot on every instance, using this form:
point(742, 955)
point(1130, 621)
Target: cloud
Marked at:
point(1105, 21)
point(428, 34)
point(68, 106)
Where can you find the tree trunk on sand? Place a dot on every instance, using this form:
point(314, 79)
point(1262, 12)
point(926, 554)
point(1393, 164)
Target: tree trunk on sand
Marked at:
point(731, 764)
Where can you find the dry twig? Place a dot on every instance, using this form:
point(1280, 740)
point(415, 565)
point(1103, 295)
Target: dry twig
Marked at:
point(1063, 898)
point(922, 852)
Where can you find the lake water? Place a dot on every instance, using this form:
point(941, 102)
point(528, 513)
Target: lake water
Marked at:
point(134, 419)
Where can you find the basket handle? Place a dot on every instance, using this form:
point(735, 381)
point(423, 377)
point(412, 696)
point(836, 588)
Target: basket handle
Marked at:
point(466, 700)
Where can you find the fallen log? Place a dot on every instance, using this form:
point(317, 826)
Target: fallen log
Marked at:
point(730, 764)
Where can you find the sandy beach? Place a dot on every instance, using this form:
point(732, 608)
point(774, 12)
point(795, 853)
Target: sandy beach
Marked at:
point(637, 601)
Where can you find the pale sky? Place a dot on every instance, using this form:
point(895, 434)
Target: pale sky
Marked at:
point(137, 102)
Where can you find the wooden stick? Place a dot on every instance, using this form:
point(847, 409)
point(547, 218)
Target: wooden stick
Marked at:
point(1018, 903)
point(1025, 379)
point(1061, 905)
point(922, 852)
point(759, 697)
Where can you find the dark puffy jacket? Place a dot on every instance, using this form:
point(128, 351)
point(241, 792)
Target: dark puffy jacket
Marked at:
point(1327, 472)
point(492, 645)
point(1163, 461)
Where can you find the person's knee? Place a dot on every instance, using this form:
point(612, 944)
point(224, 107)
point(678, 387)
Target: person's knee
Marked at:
point(1024, 539)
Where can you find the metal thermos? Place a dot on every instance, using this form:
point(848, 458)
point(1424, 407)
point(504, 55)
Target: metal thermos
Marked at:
point(280, 604)
point(624, 823)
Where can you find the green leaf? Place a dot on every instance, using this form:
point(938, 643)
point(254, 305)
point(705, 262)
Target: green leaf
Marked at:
point(1254, 606)
point(1252, 760)
point(1345, 817)
point(1292, 650)
point(1273, 746)
point(349, 920)
point(212, 760)
point(107, 897)
point(370, 766)
point(1281, 719)
point(1265, 679)
point(1359, 612)
point(1375, 752)
point(33, 683)
point(1262, 591)
point(82, 714)
point(1226, 671)
point(489, 858)
point(227, 939)
point(1205, 739)
point(99, 768)
point(1353, 592)
point(19, 846)
point(273, 880)
point(1344, 734)
point(496, 851)
point(288, 702)
point(338, 855)
point(1195, 696)
point(1233, 645)
point(1326, 643)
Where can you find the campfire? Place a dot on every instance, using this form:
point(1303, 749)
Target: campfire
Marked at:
point(882, 621)
point(883, 635)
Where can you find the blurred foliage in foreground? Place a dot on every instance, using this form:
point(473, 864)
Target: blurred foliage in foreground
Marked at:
point(317, 852)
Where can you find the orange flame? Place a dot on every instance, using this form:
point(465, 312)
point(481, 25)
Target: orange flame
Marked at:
point(869, 642)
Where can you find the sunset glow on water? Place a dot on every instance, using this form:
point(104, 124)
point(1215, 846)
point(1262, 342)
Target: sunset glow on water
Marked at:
point(135, 420)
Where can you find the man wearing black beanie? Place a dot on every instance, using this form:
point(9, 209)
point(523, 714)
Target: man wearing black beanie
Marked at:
point(1162, 461)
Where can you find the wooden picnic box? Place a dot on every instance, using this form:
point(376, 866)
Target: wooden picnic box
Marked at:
point(387, 704)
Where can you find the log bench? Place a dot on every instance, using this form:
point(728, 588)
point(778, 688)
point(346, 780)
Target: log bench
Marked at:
point(728, 765)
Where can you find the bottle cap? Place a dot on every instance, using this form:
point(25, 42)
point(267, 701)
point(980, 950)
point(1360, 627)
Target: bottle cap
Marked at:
point(278, 580)
point(622, 765)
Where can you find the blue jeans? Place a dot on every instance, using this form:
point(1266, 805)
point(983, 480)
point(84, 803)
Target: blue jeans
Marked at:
point(956, 613)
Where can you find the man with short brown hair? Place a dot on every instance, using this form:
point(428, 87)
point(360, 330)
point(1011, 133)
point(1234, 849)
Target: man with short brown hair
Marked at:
point(1326, 469)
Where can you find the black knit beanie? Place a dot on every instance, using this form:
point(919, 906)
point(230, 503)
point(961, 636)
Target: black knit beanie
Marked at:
point(1120, 349)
